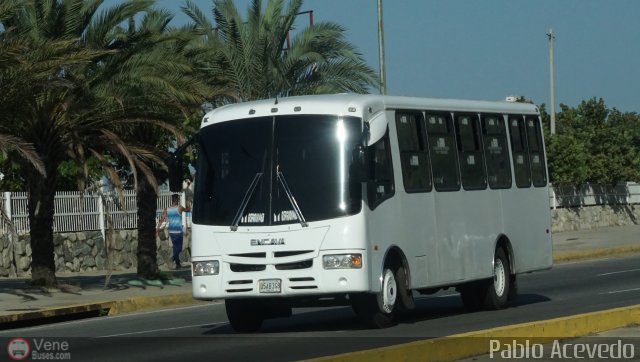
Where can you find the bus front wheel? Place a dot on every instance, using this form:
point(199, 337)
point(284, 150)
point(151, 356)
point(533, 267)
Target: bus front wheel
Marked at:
point(245, 316)
point(380, 310)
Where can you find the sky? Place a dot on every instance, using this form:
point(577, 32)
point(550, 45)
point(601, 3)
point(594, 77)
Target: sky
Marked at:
point(491, 49)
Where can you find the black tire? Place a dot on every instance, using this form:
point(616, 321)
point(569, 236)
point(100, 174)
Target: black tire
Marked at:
point(513, 289)
point(244, 315)
point(376, 311)
point(404, 293)
point(490, 294)
point(498, 290)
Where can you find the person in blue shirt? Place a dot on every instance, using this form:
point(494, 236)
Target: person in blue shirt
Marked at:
point(173, 215)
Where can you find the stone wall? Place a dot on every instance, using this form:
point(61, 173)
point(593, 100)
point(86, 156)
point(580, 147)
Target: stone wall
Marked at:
point(594, 217)
point(85, 251)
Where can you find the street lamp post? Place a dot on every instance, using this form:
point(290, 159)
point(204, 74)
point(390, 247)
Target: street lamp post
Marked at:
point(383, 80)
point(551, 85)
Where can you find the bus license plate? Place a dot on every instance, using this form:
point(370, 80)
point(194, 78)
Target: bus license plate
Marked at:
point(269, 285)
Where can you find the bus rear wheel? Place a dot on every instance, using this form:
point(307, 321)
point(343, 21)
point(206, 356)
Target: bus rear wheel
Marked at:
point(499, 290)
point(490, 294)
point(380, 310)
point(245, 315)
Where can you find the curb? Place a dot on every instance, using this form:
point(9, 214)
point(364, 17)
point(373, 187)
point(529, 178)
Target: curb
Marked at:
point(76, 309)
point(471, 344)
point(145, 303)
point(108, 308)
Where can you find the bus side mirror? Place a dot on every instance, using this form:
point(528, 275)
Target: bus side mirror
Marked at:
point(360, 169)
point(174, 163)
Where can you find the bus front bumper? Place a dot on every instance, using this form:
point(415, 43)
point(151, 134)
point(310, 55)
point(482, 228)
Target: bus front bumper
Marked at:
point(271, 282)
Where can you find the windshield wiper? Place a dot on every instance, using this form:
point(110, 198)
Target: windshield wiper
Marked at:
point(292, 199)
point(245, 201)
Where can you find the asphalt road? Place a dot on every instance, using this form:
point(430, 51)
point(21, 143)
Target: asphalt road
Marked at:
point(189, 333)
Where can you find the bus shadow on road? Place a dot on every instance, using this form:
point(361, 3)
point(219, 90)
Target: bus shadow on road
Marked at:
point(303, 320)
point(526, 299)
point(440, 310)
point(449, 308)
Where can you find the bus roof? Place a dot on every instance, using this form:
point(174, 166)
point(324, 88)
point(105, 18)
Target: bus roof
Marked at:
point(360, 105)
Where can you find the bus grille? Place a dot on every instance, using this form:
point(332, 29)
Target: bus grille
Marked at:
point(239, 286)
point(282, 254)
point(239, 290)
point(305, 264)
point(298, 283)
point(250, 255)
point(240, 268)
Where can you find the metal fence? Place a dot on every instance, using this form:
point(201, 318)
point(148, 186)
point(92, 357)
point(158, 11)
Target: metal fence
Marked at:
point(76, 211)
point(592, 195)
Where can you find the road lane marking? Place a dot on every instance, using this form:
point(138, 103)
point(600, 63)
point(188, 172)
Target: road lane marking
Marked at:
point(622, 291)
point(619, 272)
point(163, 329)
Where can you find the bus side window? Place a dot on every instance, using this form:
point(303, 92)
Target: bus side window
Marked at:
point(381, 186)
point(442, 147)
point(496, 151)
point(536, 152)
point(414, 155)
point(520, 152)
point(471, 160)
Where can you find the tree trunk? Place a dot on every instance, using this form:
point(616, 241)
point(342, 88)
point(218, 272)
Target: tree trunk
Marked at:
point(42, 192)
point(147, 248)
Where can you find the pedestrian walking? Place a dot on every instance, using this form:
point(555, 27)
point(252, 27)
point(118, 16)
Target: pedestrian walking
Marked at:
point(173, 215)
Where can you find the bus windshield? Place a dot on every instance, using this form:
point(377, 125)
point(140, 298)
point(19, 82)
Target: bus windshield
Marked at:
point(243, 164)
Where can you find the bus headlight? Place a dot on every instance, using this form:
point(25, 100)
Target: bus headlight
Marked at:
point(342, 261)
point(208, 267)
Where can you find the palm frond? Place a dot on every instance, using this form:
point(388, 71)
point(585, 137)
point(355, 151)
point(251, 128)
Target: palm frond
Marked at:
point(97, 33)
point(12, 143)
point(8, 8)
point(197, 16)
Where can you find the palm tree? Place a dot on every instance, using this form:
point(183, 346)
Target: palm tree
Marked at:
point(250, 57)
point(127, 82)
point(179, 96)
point(21, 72)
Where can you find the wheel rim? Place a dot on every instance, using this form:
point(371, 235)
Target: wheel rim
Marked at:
point(387, 299)
point(499, 277)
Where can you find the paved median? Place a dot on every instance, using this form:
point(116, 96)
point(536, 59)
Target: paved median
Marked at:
point(577, 255)
point(476, 343)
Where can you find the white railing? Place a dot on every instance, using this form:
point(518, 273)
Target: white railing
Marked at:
point(76, 211)
point(592, 195)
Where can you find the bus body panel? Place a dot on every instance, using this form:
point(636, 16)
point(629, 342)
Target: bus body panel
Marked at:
point(446, 238)
point(530, 233)
point(455, 232)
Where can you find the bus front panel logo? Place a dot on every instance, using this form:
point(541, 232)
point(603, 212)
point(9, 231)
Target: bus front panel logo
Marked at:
point(267, 241)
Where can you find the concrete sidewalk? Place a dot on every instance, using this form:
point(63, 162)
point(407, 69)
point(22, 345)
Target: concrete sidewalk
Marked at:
point(84, 294)
point(590, 244)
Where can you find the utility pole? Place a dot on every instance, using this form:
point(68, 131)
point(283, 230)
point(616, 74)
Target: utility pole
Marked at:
point(383, 78)
point(552, 110)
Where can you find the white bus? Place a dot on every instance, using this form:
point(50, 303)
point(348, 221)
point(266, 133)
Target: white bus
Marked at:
point(366, 200)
